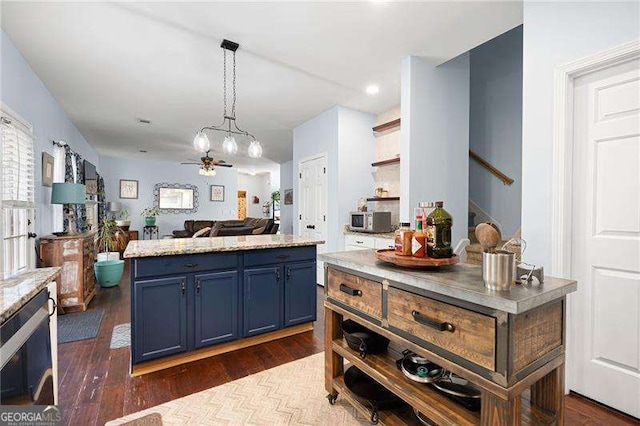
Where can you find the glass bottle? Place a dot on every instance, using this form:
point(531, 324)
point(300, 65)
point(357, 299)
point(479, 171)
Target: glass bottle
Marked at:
point(418, 242)
point(439, 224)
point(403, 239)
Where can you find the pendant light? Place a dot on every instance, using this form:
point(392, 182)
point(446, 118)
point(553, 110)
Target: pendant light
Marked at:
point(229, 125)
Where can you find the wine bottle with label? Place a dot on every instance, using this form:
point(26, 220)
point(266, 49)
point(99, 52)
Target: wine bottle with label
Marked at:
point(439, 224)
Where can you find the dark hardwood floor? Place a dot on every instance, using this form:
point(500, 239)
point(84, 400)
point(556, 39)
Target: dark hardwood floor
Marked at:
point(95, 385)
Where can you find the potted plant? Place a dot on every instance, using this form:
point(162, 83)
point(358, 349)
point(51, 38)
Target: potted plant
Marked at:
point(123, 220)
point(108, 271)
point(150, 214)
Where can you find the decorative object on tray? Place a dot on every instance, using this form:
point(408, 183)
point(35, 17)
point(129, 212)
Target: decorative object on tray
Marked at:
point(175, 198)
point(288, 196)
point(129, 189)
point(362, 339)
point(216, 193)
point(390, 256)
point(47, 169)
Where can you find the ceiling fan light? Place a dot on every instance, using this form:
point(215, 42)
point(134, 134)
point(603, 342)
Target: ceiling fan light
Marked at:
point(201, 142)
point(255, 150)
point(206, 171)
point(230, 146)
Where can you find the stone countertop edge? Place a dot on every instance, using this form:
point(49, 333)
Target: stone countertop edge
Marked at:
point(179, 246)
point(516, 301)
point(370, 234)
point(15, 292)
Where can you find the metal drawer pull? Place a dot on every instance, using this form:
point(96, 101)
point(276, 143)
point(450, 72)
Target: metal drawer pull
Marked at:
point(359, 242)
point(351, 291)
point(190, 265)
point(440, 326)
point(183, 287)
point(283, 256)
point(54, 305)
point(198, 286)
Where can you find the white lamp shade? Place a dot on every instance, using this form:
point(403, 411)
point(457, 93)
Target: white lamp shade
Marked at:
point(201, 142)
point(230, 146)
point(255, 150)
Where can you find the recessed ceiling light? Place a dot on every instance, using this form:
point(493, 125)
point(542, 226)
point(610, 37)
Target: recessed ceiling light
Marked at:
point(372, 89)
point(143, 120)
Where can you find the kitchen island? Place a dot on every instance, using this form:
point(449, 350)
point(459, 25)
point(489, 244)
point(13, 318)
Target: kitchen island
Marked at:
point(192, 298)
point(503, 342)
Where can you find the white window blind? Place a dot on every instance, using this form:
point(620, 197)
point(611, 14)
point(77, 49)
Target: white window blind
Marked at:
point(17, 186)
point(18, 165)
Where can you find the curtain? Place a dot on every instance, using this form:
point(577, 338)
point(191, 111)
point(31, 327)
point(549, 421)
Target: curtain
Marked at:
point(58, 176)
point(73, 173)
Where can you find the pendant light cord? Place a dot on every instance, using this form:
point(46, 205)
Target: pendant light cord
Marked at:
point(233, 108)
point(224, 81)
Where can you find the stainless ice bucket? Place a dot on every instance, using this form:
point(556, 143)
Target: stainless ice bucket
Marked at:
point(498, 269)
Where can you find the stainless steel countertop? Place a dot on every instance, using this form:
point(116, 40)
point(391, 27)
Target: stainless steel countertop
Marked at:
point(462, 281)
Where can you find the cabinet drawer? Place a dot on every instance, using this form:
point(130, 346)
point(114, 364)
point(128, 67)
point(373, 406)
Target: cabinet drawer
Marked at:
point(272, 256)
point(470, 335)
point(171, 265)
point(359, 241)
point(359, 293)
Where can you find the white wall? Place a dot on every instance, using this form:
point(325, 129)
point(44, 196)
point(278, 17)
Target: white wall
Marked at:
point(495, 127)
point(346, 137)
point(435, 138)
point(556, 34)
point(258, 185)
point(23, 91)
point(286, 211)
point(148, 173)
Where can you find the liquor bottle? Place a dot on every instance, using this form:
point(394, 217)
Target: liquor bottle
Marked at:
point(439, 224)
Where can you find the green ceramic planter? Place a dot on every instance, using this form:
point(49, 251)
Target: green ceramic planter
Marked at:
point(150, 221)
point(108, 272)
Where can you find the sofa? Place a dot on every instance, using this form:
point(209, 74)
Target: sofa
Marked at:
point(225, 228)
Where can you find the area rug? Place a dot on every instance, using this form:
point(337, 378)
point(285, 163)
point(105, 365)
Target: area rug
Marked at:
point(80, 326)
point(121, 336)
point(290, 394)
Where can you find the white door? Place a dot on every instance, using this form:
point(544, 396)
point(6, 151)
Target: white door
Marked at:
point(312, 214)
point(605, 260)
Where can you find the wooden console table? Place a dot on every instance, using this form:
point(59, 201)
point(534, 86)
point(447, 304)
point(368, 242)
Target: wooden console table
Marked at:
point(506, 343)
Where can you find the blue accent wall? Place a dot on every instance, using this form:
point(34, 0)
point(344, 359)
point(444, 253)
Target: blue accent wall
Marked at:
point(23, 91)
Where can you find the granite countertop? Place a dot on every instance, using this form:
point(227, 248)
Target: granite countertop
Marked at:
point(17, 291)
point(174, 246)
point(462, 281)
point(346, 231)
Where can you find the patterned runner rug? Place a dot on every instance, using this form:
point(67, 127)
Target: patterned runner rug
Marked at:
point(290, 394)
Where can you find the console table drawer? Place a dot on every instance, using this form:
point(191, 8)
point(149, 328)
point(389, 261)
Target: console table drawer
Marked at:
point(172, 265)
point(359, 293)
point(465, 333)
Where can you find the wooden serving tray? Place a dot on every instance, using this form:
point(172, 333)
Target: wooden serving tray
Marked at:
point(390, 256)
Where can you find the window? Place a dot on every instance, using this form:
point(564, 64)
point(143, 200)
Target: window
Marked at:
point(17, 183)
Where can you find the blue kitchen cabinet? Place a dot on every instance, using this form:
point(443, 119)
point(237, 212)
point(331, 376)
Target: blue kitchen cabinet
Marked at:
point(216, 308)
point(299, 293)
point(159, 318)
point(262, 300)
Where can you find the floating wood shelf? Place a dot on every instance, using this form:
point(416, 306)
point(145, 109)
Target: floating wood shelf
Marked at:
point(386, 162)
point(386, 126)
point(383, 199)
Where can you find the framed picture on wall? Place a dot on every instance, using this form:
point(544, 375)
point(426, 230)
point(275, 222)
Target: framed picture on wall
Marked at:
point(128, 189)
point(47, 169)
point(217, 192)
point(288, 196)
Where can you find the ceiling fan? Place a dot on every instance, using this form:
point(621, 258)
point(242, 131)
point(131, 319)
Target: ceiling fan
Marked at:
point(207, 165)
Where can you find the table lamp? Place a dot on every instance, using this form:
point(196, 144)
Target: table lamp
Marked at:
point(114, 207)
point(69, 193)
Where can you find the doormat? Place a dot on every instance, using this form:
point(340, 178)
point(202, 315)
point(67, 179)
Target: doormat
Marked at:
point(80, 326)
point(121, 336)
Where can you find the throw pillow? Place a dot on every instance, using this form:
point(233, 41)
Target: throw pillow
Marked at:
point(258, 231)
point(215, 229)
point(201, 232)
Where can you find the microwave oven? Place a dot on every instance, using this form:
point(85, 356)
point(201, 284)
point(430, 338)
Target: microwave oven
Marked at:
point(370, 221)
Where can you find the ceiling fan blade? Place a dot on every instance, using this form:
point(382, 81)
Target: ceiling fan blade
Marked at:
point(223, 165)
point(191, 163)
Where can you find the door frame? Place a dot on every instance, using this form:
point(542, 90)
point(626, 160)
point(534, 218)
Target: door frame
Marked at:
point(298, 188)
point(562, 181)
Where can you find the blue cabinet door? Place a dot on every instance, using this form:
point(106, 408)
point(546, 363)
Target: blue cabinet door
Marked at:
point(262, 300)
point(160, 318)
point(299, 293)
point(216, 308)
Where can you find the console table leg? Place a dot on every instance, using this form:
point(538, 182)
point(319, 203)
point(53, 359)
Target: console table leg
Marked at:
point(548, 393)
point(496, 411)
point(334, 364)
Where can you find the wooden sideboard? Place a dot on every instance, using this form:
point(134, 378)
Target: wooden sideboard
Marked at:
point(123, 238)
point(76, 255)
point(505, 352)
